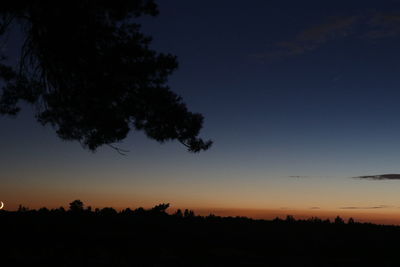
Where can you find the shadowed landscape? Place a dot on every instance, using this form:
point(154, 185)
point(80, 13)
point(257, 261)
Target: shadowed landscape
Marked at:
point(80, 236)
point(274, 123)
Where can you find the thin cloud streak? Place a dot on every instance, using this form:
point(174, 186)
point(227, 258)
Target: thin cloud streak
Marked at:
point(393, 176)
point(365, 208)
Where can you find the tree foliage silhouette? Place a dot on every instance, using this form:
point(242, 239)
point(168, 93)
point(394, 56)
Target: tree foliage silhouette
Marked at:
point(339, 220)
point(76, 206)
point(89, 72)
point(160, 208)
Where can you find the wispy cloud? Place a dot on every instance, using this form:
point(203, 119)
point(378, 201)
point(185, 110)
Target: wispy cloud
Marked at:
point(337, 27)
point(371, 26)
point(383, 26)
point(315, 208)
point(298, 176)
point(393, 176)
point(311, 38)
point(365, 208)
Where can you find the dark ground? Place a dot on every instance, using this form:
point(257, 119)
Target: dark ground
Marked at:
point(154, 238)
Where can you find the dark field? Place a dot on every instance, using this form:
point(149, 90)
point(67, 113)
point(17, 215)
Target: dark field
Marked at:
point(154, 238)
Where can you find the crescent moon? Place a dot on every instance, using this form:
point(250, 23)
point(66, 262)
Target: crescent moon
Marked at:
point(2, 205)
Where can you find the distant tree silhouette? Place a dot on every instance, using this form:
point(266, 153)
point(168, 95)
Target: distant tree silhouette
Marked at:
point(178, 213)
point(211, 216)
point(43, 210)
point(76, 206)
point(108, 211)
point(290, 219)
point(188, 213)
point(160, 208)
point(350, 221)
point(339, 220)
point(315, 220)
point(89, 72)
point(60, 210)
point(139, 211)
point(22, 208)
point(127, 211)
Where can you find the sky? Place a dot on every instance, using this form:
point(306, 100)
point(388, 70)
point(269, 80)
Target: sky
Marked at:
point(299, 97)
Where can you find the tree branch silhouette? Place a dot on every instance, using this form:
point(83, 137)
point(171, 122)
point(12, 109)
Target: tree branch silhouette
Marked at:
point(90, 74)
point(119, 150)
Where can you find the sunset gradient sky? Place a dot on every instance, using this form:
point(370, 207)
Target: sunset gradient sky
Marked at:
point(299, 97)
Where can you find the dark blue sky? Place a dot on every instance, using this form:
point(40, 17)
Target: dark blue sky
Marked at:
point(308, 73)
point(287, 88)
point(232, 57)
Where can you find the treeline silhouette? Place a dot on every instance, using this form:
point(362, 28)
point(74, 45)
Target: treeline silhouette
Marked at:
point(82, 236)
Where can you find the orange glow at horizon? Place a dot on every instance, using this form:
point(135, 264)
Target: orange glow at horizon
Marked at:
point(225, 196)
point(378, 216)
point(381, 217)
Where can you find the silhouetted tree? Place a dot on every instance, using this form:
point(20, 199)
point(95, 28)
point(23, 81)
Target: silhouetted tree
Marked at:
point(89, 72)
point(76, 206)
point(339, 220)
point(290, 219)
point(350, 221)
point(139, 211)
point(178, 213)
point(127, 211)
point(108, 211)
point(277, 220)
point(43, 210)
point(188, 213)
point(315, 220)
point(60, 210)
point(327, 221)
point(160, 208)
point(22, 208)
